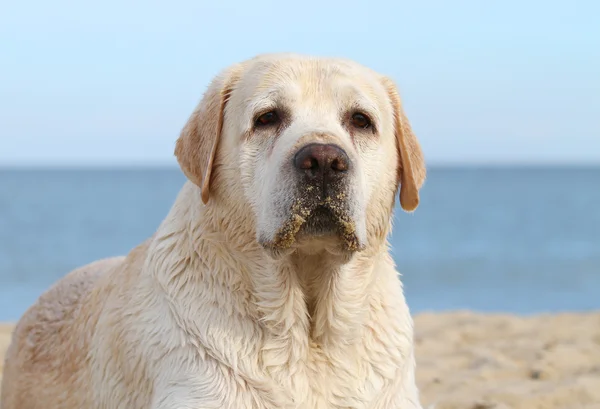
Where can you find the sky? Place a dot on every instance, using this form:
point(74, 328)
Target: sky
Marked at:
point(112, 83)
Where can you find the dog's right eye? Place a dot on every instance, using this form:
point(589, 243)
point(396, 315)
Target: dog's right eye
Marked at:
point(360, 120)
point(266, 119)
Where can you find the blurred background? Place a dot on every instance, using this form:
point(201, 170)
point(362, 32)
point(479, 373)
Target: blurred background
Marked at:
point(504, 96)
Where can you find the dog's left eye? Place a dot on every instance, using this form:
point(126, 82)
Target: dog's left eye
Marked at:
point(360, 120)
point(266, 119)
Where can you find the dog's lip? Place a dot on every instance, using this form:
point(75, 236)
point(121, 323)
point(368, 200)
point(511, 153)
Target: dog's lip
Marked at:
point(320, 221)
point(321, 211)
point(311, 218)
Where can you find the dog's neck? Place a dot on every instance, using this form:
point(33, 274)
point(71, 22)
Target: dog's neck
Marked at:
point(318, 294)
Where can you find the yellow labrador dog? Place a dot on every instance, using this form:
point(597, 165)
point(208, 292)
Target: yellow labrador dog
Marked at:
point(269, 284)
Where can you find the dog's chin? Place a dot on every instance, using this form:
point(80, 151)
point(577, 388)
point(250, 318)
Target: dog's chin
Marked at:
point(323, 228)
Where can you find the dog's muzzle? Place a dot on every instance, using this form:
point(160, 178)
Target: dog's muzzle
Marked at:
point(321, 207)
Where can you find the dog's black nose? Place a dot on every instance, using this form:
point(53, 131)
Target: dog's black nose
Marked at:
point(325, 161)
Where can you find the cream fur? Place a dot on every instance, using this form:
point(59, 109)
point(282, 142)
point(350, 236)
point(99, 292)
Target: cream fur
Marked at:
point(201, 315)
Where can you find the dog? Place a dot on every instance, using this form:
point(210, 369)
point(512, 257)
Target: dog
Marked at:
point(269, 284)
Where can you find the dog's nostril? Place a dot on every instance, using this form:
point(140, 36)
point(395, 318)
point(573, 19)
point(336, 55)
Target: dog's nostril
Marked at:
point(314, 164)
point(321, 159)
point(307, 163)
point(339, 165)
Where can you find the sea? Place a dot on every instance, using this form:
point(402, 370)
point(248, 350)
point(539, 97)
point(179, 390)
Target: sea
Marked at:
point(515, 240)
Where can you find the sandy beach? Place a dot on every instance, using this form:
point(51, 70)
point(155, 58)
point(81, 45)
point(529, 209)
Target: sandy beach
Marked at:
point(481, 361)
point(476, 361)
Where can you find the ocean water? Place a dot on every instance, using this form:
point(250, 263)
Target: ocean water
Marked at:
point(512, 240)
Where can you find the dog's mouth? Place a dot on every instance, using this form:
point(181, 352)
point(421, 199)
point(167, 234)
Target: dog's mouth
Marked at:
point(312, 219)
point(321, 222)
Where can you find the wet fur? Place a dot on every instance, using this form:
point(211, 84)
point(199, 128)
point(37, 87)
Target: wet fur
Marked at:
point(201, 315)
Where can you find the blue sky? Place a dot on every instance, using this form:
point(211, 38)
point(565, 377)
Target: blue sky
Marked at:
point(112, 82)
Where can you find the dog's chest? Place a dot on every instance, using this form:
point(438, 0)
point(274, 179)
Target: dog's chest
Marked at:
point(348, 376)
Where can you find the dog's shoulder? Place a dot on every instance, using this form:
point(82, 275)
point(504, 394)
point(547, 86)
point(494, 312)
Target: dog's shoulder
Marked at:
point(49, 320)
point(47, 346)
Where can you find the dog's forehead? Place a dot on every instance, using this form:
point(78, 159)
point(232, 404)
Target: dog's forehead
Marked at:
point(305, 78)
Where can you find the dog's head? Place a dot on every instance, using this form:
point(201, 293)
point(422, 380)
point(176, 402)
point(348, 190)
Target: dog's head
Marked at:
point(310, 145)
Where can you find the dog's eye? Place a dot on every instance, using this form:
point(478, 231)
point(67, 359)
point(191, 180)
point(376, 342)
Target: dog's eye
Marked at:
point(361, 121)
point(266, 119)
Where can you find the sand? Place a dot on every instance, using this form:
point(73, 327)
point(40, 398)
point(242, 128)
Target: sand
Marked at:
point(480, 361)
point(476, 361)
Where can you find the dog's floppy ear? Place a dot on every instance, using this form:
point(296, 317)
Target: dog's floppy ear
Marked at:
point(197, 145)
point(412, 164)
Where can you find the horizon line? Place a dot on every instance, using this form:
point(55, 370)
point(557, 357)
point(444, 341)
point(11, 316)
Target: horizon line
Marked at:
point(170, 166)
